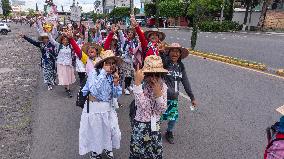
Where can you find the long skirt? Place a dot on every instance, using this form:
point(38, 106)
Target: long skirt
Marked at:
point(99, 129)
point(65, 74)
point(49, 74)
point(145, 143)
point(171, 113)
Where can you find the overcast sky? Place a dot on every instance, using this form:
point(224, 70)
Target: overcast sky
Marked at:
point(87, 5)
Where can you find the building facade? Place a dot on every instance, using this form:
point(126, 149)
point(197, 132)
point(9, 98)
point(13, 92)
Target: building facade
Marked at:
point(109, 5)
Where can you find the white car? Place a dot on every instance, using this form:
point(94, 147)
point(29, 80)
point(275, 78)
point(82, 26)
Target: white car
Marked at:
point(4, 28)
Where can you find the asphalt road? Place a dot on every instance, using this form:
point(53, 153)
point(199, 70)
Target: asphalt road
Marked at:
point(267, 49)
point(235, 107)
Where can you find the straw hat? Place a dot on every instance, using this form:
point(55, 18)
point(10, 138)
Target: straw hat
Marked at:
point(184, 52)
point(108, 54)
point(86, 47)
point(153, 64)
point(42, 35)
point(280, 110)
point(161, 35)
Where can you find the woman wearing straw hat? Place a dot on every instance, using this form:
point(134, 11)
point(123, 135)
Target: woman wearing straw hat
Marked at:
point(65, 69)
point(177, 74)
point(150, 40)
point(48, 57)
point(130, 54)
point(99, 129)
point(150, 100)
point(88, 54)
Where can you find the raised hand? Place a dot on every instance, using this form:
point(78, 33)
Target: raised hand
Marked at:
point(133, 21)
point(157, 88)
point(138, 76)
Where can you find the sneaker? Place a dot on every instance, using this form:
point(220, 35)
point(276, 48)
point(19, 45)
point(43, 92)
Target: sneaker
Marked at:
point(109, 155)
point(170, 137)
point(127, 92)
point(49, 87)
point(69, 93)
point(94, 155)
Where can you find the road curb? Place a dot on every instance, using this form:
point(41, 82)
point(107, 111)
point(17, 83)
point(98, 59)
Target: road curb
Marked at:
point(280, 72)
point(230, 60)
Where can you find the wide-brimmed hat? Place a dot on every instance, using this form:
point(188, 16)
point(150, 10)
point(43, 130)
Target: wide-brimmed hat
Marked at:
point(108, 54)
point(42, 35)
point(86, 47)
point(183, 51)
point(280, 110)
point(161, 35)
point(153, 64)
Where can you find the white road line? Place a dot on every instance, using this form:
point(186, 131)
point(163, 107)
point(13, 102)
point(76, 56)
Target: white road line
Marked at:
point(177, 38)
point(184, 39)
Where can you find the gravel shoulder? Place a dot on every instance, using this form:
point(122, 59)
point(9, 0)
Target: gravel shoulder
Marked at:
point(19, 75)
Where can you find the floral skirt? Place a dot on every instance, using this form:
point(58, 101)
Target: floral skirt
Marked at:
point(172, 111)
point(49, 73)
point(145, 144)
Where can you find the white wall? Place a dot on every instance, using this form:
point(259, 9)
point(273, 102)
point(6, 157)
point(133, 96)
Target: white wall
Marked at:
point(239, 17)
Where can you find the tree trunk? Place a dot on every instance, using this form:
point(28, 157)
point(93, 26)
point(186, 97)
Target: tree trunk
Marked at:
point(246, 15)
point(263, 15)
point(249, 24)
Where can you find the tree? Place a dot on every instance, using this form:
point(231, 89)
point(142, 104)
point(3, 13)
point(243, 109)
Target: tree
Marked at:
point(122, 12)
point(31, 12)
point(6, 7)
point(171, 8)
point(150, 9)
point(209, 9)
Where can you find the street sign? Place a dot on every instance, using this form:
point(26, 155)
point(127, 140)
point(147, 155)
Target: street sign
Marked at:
point(75, 13)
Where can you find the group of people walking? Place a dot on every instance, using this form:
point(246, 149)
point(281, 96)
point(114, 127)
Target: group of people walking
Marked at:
point(111, 62)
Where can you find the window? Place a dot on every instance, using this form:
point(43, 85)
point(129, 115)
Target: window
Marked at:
point(1, 24)
point(123, 4)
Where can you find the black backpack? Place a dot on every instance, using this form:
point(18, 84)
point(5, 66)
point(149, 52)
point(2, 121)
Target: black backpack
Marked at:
point(132, 110)
point(81, 99)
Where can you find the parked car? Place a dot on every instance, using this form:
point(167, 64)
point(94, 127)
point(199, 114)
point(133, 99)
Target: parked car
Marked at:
point(4, 28)
point(151, 22)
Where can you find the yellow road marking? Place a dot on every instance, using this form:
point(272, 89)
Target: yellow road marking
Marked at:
point(265, 73)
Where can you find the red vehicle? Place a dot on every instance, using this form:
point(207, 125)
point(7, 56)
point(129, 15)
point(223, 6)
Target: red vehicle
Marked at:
point(151, 22)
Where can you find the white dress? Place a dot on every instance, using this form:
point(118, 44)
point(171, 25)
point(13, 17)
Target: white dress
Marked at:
point(99, 129)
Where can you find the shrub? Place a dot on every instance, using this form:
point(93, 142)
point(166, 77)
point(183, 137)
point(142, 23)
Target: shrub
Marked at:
point(215, 26)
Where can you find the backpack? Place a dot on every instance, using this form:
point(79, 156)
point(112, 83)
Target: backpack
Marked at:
point(81, 99)
point(275, 147)
point(132, 110)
